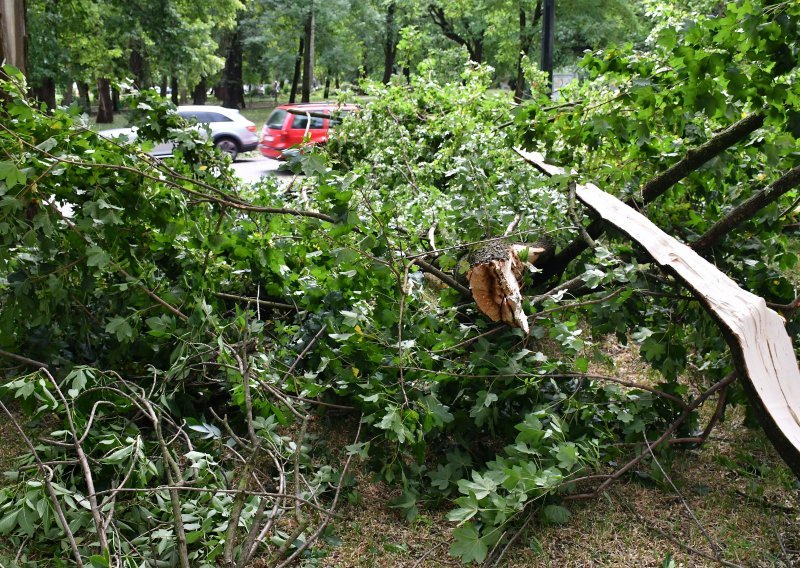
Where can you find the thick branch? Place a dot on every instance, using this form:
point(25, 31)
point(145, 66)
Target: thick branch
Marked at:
point(474, 46)
point(747, 209)
point(657, 186)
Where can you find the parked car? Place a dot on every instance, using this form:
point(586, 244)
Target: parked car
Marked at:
point(290, 125)
point(230, 131)
point(130, 134)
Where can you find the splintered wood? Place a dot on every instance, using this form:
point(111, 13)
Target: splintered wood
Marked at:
point(495, 278)
point(764, 353)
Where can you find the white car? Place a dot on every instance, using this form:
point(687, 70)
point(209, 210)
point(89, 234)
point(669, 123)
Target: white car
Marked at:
point(230, 131)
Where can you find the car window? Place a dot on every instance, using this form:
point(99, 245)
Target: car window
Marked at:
point(300, 121)
point(190, 116)
point(215, 117)
point(276, 119)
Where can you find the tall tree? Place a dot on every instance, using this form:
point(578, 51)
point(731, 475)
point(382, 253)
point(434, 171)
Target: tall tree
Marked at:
point(297, 69)
point(527, 27)
point(13, 33)
point(232, 80)
point(390, 42)
point(308, 56)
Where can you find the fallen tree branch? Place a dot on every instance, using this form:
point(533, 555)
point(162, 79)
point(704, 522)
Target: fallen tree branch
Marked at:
point(651, 190)
point(47, 473)
point(25, 360)
point(747, 209)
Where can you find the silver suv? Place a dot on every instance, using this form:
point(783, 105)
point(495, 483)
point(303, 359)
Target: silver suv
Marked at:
point(230, 131)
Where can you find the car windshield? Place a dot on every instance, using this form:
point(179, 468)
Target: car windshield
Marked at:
point(275, 120)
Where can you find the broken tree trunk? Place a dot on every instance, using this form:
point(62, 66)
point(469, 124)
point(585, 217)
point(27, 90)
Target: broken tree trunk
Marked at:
point(495, 279)
point(756, 335)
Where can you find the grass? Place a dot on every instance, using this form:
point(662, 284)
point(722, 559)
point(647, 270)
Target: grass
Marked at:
point(752, 517)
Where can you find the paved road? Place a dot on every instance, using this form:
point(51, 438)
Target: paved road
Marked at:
point(253, 169)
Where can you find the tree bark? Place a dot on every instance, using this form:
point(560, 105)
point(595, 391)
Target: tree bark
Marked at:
point(44, 91)
point(747, 209)
point(296, 76)
point(14, 34)
point(105, 107)
point(200, 92)
point(525, 43)
point(232, 83)
point(83, 96)
point(327, 86)
point(137, 62)
point(173, 86)
point(162, 87)
point(115, 99)
point(308, 58)
point(694, 158)
point(68, 94)
point(390, 44)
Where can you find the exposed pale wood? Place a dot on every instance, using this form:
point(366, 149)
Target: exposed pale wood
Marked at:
point(755, 333)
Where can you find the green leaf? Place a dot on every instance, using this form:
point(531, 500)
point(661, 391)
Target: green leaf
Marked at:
point(567, 455)
point(120, 327)
point(556, 514)
point(8, 522)
point(468, 544)
point(95, 256)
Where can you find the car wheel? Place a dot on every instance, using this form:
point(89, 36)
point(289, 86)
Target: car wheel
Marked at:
point(228, 146)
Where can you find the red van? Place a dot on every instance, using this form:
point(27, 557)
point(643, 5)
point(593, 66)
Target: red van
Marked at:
point(289, 125)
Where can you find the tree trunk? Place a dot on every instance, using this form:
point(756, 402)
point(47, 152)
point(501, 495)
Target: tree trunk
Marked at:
point(13, 34)
point(115, 99)
point(68, 94)
point(296, 77)
point(44, 91)
point(83, 96)
point(173, 86)
point(200, 93)
point(525, 43)
point(336, 81)
point(163, 87)
point(136, 62)
point(184, 96)
point(308, 58)
point(327, 86)
point(105, 107)
point(390, 44)
point(232, 83)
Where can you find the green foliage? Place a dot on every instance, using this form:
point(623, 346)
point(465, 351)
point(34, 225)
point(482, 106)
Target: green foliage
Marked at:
point(491, 424)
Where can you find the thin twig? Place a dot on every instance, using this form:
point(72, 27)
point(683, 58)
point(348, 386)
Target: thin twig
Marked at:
point(575, 219)
point(714, 546)
point(47, 473)
point(265, 303)
point(85, 468)
point(672, 538)
point(329, 515)
point(428, 552)
point(27, 361)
